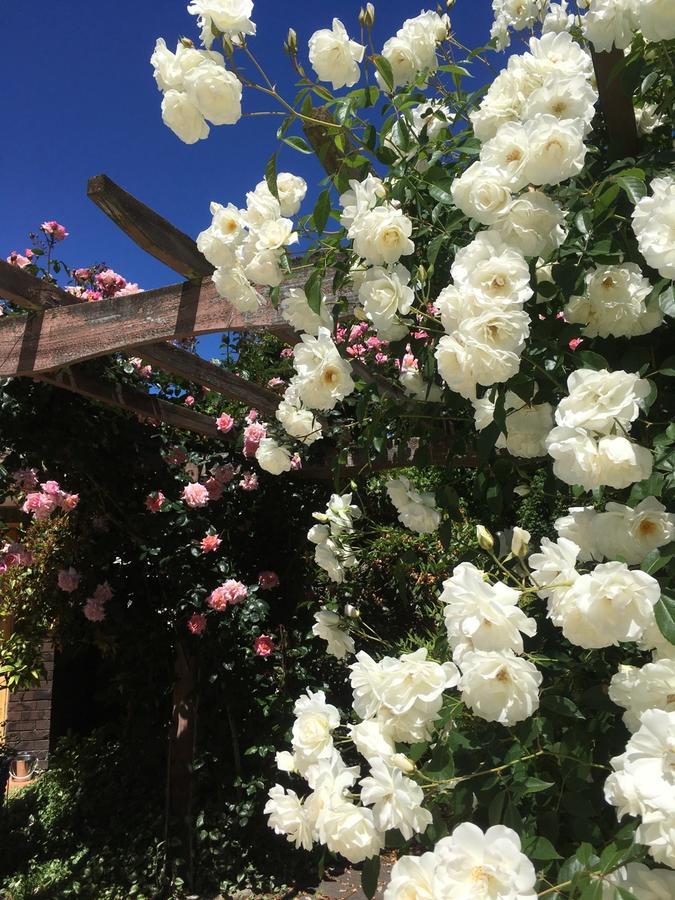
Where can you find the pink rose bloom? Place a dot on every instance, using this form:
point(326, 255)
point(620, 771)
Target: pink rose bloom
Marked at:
point(357, 350)
point(16, 555)
point(249, 482)
point(340, 335)
point(110, 282)
point(214, 488)
point(264, 645)
point(25, 479)
point(252, 416)
point(16, 259)
point(196, 624)
point(374, 343)
point(189, 401)
point(227, 594)
point(381, 358)
point(253, 434)
point(210, 542)
point(224, 423)
point(54, 230)
point(129, 289)
point(275, 383)
point(68, 580)
point(224, 474)
point(268, 580)
point(574, 343)
point(357, 331)
point(176, 456)
point(154, 502)
point(92, 296)
point(195, 495)
point(82, 274)
point(103, 592)
point(286, 353)
point(51, 487)
point(296, 462)
point(421, 335)
point(69, 501)
point(94, 610)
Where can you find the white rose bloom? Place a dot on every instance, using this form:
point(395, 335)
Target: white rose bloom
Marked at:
point(396, 800)
point(272, 457)
point(647, 118)
point(285, 762)
point(610, 605)
point(334, 57)
point(382, 236)
point(502, 103)
point(554, 570)
point(327, 627)
point(264, 268)
point(486, 614)
point(229, 16)
point(414, 679)
point(412, 878)
point(496, 272)
point(288, 815)
point(532, 224)
point(292, 191)
point(401, 56)
point(658, 833)
point(361, 197)
point(569, 97)
point(579, 526)
point(632, 533)
point(432, 116)
point(297, 421)
point(518, 14)
point(638, 880)
point(367, 680)
point(495, 341)
point(656, 20)
point(183, 118)
point(372, 738)
point(219, 242)
point(424, 32)
point(414, 384)
point(621, 463)
point(557, 19)
point(527, 425)
point(490, 864)
point(168, 72)
point(233, 285)
point(385, 293)
point(499, 686)
point(315, 721)
point(654, 226)
point(455, 366)
point(416, 510)
point(350, 831)
point(340, 514)
point(561, 54)
point(323, 376)
point(601, 401)
point(215, 92)
point(575, 457)
point(275, 234)
point(610, 23)
point(481, 194)
point(614, 303)
point(653, 639)
point(261, 207)
point(651, 687)
point(334, 559)
point(556, 149)
point(296, 310)
point(508, 152)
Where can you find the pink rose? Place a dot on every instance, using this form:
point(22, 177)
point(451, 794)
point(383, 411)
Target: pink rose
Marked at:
point(268, 580)
point(189, 401)
point(264, 645)
point(227, 594)
point(51, 487)
point(210, 542)
point(196, 624)
point(357, 331)
point(357, 350)
point(82, 274)
point(296, 462)
point(275, 383)
point(68, 580)
point(286, 353)
point(195, 495)
point(94, 610)
point(69, 501)
point(253, 434)
point(54, 230)
point(224, 474)
point(16, 259)
point(214, 488)
point(154, 502)
point(381, 358)
point(252, 416)
point(249, 482)
point(103, 592)
point(110, 282)
point(574, 343)
point(92, 296)
point(129, 289)
point(224, 423)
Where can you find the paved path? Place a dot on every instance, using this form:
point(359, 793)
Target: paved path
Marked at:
point(347, 886)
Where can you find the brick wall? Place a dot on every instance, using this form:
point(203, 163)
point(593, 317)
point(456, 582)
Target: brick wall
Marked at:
point(29, 714)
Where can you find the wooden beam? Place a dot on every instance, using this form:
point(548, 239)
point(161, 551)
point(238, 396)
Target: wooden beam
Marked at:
point(148, 229)
point(144, 405)
point(63, 336)
point(29, 292)
point(617, 103)
point(194, 368)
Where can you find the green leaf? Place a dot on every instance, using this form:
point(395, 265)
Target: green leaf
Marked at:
point(667, 302)
point(540, 848)
point(383, 66)
point(563, 706)
point(271, 175)
point(370, 875)
point(313, 291)
point(535, 785)
point(298, 143)
point(322, 211)
point(665, 617)
point(634, 188)
point(440, 195)
point(591, 360)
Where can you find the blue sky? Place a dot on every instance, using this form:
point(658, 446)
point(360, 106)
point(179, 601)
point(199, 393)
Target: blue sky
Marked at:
point(81, 100)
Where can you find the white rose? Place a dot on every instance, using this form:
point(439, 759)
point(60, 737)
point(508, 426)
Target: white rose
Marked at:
point(382, 236)
point(621, 463)
point(233, 285)
point(528, 425)
point(372, 738)
point(288, 815)
point(575, 457)
point(334, 57)
point(610, 605)
point(502, 103)
point(219, 242)
point(385, 293)
point(557, 19)
point(323, 377)
point(215, 92)
point(413, 679)
point(632, 533)
point(656, 20)
point(497, 273)
point(272, 457)
point(396, 800)
point(261, 207)
point(455, 366)
point(350, 831)
point(480, 193)
point(499, 686)
point(570, 97)
point(561, 54)
point(651, 687)
point(167, 70)
point(483, 864)
point(275, 234)
point(654, 226)
point(296, 310)
point(298, 422)
point(614, 303)
point(638, 880)
point(327, 627)
point(361, 197)
point(556, 149)
point(264, 268)
point(292, 191)
point(486, 615)
point(334, 559)
point(183, 118)
point(601, 401)
point(610, 23)
point(315, 721)
point(424, 32)
point(647, 118)
point(401, 56)
point(412, 877)
point(579, 526)
point(554, 571)
point(416, 510)
point(229, 16)
point(508, 153)
point(532, 224)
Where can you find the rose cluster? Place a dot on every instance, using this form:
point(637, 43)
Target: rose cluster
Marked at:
point(333, 554)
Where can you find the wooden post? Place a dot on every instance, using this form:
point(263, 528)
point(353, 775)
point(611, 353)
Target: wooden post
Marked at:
point(617, 104)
